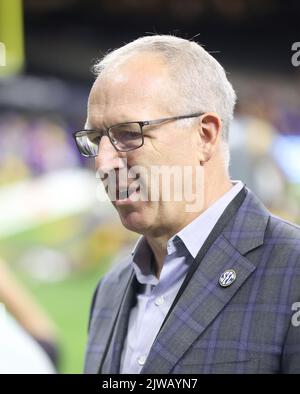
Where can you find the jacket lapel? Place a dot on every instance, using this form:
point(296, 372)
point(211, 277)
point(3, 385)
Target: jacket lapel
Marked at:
point(203, 299)
point(112, 361)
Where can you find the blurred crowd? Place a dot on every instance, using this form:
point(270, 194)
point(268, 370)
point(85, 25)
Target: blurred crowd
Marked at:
point(32, 146)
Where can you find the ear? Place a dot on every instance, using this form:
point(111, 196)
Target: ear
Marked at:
point(209, 132)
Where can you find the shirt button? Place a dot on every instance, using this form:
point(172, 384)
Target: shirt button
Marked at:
point(142, 360)
point(159, 301)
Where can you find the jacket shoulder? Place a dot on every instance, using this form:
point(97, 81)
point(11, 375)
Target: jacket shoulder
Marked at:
point(283, 230)
point(282, 247)
point(117, 270)
point(109, 281)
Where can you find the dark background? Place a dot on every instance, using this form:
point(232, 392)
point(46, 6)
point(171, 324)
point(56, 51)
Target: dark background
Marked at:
point(62, 37)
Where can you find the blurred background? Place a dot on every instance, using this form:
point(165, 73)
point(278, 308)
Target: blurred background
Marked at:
point(56, 238)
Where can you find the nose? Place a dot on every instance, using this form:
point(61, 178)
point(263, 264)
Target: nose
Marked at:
point(108, 158)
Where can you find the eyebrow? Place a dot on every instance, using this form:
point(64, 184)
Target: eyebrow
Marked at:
point(91, 123)
point(92, 126)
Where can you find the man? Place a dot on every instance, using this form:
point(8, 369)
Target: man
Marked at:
point(212, 286)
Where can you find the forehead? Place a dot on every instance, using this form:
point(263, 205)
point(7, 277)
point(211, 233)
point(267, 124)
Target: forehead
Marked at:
point(138, 85)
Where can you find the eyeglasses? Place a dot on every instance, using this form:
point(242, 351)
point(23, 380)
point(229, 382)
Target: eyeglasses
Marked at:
point(123, 136)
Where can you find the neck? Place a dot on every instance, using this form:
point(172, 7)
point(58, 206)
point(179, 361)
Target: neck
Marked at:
point(158, 243)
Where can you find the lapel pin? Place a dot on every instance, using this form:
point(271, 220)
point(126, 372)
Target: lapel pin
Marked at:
point(227, 278)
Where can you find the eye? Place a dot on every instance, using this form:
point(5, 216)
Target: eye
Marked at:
point(127, 135)
point(94, 137)
point(125, 132)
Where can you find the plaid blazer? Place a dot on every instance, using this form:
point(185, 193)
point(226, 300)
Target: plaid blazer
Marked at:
point(247, 327)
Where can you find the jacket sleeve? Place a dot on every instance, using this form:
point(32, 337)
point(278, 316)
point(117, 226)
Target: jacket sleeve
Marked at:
point(93, 305)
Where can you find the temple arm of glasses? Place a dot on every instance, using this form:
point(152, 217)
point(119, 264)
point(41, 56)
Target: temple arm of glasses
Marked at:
point(158, 121)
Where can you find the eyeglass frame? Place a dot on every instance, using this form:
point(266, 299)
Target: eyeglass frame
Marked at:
point(141, 123)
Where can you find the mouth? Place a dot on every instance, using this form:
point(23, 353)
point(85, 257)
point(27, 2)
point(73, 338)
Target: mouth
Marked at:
point(127, 193)
point(124, 194)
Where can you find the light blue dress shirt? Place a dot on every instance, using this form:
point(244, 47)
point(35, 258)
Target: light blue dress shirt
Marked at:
point(154, 302)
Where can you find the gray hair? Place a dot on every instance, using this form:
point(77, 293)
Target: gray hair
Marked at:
point(197, 75)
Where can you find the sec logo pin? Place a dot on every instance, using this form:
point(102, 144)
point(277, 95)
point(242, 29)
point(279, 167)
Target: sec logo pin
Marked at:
point(227, 278)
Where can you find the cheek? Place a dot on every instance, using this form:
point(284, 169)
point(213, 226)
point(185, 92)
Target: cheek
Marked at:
point(164, 152)
point(160, 152)
point(180, 150)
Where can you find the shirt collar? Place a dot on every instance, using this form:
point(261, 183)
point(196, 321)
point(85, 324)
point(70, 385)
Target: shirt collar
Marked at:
point(196, 232)
point(142, 260)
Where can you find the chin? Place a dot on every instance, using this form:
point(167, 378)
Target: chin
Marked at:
point(134, 221)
